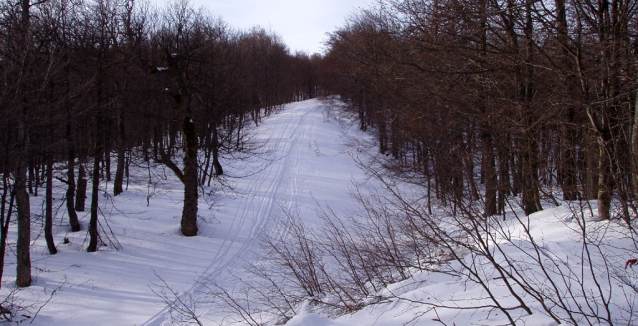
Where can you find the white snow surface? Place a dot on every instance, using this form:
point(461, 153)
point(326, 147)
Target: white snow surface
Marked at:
point(306, 159)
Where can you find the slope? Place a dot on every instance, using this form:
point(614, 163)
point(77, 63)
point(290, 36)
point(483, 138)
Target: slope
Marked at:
point(305, 158)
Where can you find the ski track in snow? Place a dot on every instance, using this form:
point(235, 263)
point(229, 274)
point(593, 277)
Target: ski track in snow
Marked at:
point(309, 162)
point(275, 186)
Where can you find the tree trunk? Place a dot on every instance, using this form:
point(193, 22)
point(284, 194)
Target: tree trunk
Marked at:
point(107, 161)
point(119, 171)
point(93, 232)
point(31, 176)
point(383, 134)
point(567, 166)
point(592, 153)
point(530, 185)
point(605, 184)
point(23, 254)
point(602, 124)
point(489, 169)
point(121, 148)
point(240, 125)
point(100, 152)
point(531, 148)
point(70, 190)
point(503, 181)
point(204, 175)
point(394, 136)
point(5, 219)
point(80, 195)
point(515, 167)
point(218, 167)
point(634, 144)
point(189, 212)
point(469, 172)
point(126, 167)
point(48, 217)
point(362, 117)
point(38, 177)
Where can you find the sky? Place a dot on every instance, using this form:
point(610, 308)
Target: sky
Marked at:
point(302, 24)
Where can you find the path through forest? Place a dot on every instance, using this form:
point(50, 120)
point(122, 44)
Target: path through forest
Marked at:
point(300, 169)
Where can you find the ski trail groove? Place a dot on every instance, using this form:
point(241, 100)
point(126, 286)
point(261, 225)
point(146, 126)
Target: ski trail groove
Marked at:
point(278, 182)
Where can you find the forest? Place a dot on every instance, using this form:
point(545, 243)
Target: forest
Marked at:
point(484, 107)
point(83, 81)
point(536, 98)
point(493, 110)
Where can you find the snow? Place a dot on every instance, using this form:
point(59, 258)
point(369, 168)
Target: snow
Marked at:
point(307, 159)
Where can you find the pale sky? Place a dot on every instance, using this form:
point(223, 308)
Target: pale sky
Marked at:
point(302, 24)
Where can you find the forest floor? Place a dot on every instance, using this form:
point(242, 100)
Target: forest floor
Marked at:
point(302, 157)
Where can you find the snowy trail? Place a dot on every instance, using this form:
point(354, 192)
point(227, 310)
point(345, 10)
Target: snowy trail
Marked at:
point(305, 159)
point(310, 157)
point(270, 190)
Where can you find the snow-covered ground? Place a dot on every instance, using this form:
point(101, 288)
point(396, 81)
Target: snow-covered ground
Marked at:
point(306, 160)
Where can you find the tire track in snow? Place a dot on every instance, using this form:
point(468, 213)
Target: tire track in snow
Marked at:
point(256, 210)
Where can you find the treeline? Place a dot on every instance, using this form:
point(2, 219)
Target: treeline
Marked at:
point(85, 81)
point(483, 107)
point(492, 98)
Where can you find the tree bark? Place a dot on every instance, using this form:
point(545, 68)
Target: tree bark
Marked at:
point(121, 150)
point(605, 184)
point(31, 176)
point(93, 232)
point(23, 254)
point(489, 168)
point(531, 148)
point(634, 143)
point(23, 270)
point(218, 167)
point(189, 212)
point(567, 166)
point(504, 186)
point(592, 153)
point(80, 195)
point(531, 198)
point(119, 172)
point(5, 219)
point(107, 159)
point(602, 124)
point(100, 152)
point(48, 218)
point(70, 190)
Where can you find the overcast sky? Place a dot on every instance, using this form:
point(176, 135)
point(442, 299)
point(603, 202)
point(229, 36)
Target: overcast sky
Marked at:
point(302, 24)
